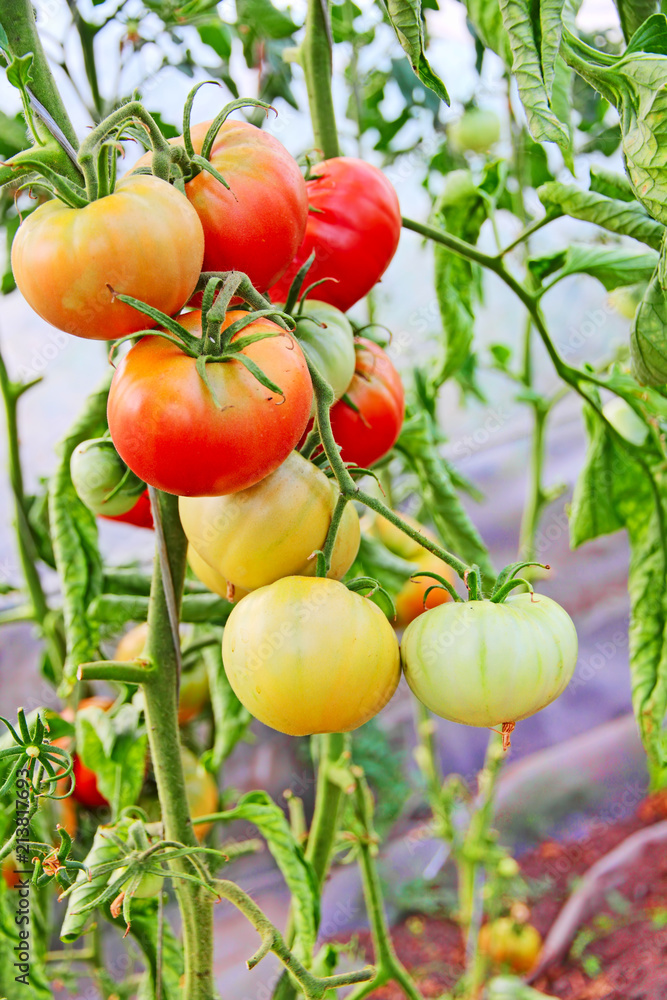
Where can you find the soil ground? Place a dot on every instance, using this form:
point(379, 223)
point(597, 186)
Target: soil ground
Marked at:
point(621, 954)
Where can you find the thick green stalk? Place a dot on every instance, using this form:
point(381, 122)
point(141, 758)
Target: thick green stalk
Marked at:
point(316, 60)
point(17, 17)
point(328, 797)
point(41, 613)
point(161, 699)
point(387, 963)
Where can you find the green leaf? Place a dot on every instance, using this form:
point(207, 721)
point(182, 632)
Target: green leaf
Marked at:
point(648, 337)
point(528, 69)
point(165, 955)
point(513, 988)
point(375, 561)
point(460, 210)
point(230, 717)
point(610, 184)
point(74, 537)
point(13, 135)
point(103, 851)
point(416, 443)
point(612, 266)
point(487, 20)
point(616, 491)
point(35, 985)
point(644, 29)
point(259, 809)
point(19, 71)
point(218, 36)
point(407, 20)
point(263, 19)
point(551, 29)
point(114, 747)
point(622, 217)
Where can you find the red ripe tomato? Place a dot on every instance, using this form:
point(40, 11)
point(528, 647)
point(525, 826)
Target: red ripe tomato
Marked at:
point(140, 515)
point(367, 433)
point(354, 231)
point(143, 240)
point(86, 791)
point(165, 424)
point(258, 224)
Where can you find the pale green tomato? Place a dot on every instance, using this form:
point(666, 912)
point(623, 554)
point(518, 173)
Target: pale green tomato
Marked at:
point(626, 299)
point(306, 655)
point(330, 347)
point(623, 419)
point(483, 664)
point(149, 886)
point(475, 131)
point(97, 470)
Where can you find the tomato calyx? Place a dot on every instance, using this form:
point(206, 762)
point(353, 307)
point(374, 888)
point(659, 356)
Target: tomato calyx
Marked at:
point(196, 162)
point(295, 297)
point(508, 581)
point(442, 584)
point(216, 345)
point(369, 587)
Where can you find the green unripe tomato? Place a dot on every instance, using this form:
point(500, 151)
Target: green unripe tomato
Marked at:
point(149, 886)
point(483, 664)
point(508, 868)
point(623, 419)
point(475, 131)
point(97, 469)
point(330, 346)
point(459, 186)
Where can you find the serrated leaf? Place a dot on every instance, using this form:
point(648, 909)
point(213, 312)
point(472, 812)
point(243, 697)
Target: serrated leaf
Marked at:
point(551, 29)
point(610, 184)
point(648, 337)
point(461, 211)
point(114, 747)
point(614, 491)
point(416, 443)
point(406, 18)
point(642, 32)
point(259, 809)
point(74, 537)
point(487, 20)
point(612, 266)
point(527, 69)
point(19, 71)
point(622, 217)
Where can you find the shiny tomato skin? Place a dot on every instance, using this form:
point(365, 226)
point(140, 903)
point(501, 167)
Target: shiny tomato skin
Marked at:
point(212, 579)
point(409, 602)
point(354, 231)
point(377, 392)
point(306, 655)
point(86, 791)
point(258, 224)
point(143, 240)
point(140, 515)
point(271, 530)
point(164, 422)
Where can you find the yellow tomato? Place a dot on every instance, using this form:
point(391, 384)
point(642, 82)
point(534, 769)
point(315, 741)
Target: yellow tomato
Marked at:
point(508, 943)
point(271, 530)
point(194, 691)
point(211, 578)
point(309, 656)
point(396, 540)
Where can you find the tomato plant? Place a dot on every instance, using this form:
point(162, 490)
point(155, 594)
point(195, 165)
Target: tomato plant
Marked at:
point(254, 537)
point(335, 647)
point(190, 438)
point(367, 421)
point(256, 224)
point(144, 240)
point(353, 227)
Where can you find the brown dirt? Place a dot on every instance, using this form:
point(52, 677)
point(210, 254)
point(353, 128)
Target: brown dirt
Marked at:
point(620, 955)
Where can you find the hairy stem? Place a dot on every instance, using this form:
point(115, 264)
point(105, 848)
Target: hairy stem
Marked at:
point(41, 613)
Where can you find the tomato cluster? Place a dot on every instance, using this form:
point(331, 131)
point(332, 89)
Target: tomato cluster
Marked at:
point(213, 397)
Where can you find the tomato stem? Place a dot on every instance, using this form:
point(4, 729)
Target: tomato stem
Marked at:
point(316, 59)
